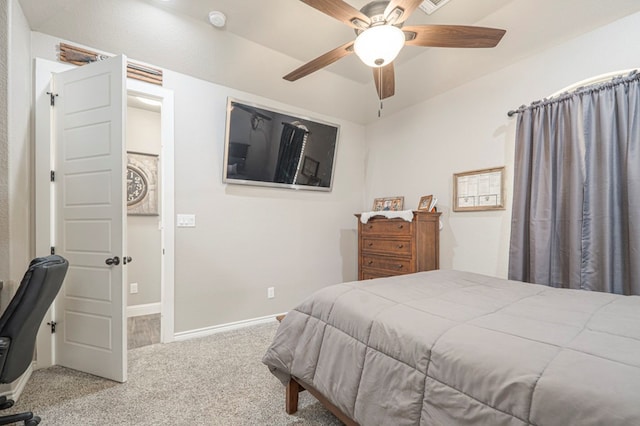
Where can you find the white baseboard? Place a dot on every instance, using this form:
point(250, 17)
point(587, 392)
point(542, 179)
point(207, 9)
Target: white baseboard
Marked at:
point(148, 309)
point(17, 386)
point(207, 331)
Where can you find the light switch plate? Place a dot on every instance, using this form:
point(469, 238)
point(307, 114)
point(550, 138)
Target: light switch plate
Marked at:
point(186, 221)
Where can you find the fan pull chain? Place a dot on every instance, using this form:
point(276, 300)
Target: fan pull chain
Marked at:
point(380, 89)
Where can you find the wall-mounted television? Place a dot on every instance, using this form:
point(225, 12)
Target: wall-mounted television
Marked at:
point(267, 147)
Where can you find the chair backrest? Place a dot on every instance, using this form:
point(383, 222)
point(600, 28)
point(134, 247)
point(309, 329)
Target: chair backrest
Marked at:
point(22, 318)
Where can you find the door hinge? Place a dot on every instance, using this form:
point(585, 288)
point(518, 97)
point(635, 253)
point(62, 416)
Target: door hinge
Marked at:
point(53, 98)
point(53, 250)
point(52, 324)
point(53, 176)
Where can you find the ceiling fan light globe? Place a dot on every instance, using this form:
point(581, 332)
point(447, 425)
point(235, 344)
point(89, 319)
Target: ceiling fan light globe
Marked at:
point(379, 45)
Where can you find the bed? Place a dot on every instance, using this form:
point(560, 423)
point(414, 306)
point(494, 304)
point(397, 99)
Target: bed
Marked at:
point(457, 348)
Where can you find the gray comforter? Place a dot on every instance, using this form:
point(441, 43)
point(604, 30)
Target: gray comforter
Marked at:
point(454, 348)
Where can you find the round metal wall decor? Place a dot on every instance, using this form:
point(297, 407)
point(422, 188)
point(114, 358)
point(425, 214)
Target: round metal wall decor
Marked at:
point(142, 184)
point(137, 185)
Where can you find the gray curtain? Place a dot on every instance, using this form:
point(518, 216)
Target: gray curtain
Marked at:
point(576, 203)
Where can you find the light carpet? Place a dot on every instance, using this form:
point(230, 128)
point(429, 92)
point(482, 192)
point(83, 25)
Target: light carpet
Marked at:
point(214, 380)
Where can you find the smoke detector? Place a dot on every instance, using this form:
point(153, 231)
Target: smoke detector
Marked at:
point(217, 19)
point(430, 6)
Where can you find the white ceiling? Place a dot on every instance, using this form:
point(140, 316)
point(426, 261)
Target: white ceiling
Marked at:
point(299, 31)
point(176, 35)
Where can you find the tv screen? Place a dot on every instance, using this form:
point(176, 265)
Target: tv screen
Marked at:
point(267, 147)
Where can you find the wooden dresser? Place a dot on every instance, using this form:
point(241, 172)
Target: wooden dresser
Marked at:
point(389, 247)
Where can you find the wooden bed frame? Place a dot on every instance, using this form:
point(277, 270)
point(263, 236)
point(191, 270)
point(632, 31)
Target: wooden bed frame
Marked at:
point(295, 386)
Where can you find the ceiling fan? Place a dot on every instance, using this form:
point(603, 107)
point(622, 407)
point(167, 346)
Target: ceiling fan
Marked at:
point(381, 35)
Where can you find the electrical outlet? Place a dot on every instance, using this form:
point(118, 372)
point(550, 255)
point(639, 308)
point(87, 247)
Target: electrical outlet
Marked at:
point(133, 288)
point(271, 292)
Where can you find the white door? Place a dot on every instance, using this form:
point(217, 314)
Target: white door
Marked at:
point(90, 223)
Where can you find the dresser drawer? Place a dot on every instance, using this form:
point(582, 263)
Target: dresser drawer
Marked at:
point(397, 266)
point(389, 247)
point(371, 274)
point(386, 227)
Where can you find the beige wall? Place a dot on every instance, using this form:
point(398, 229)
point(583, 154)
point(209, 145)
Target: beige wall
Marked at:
point(143, 233)
point(416, 152)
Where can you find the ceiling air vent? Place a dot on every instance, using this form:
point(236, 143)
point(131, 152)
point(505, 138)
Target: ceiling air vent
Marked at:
point(430, 6)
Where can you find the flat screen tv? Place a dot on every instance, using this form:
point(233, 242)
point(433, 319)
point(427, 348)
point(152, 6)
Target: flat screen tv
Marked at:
point(267, 147)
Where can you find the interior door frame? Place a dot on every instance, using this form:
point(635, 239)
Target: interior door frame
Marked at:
point(44, 212)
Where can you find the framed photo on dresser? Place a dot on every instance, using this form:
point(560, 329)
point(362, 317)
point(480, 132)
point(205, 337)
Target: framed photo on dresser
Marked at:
point(425, 202)
point(388, 204)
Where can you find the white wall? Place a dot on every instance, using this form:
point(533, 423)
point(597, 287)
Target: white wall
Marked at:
point(249, 238)
point(4, 143)
point(15, 148)
point(143, 234)
point(415, 152)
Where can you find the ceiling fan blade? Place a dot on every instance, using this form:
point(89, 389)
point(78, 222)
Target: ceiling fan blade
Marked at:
point(400, 10)
point(341, 11)
point(384, 78)
point(452, 36)
point(320, 62)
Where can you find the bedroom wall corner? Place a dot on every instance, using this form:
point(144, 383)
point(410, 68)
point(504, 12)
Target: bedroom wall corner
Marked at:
point(246, 238)
point(467, 128)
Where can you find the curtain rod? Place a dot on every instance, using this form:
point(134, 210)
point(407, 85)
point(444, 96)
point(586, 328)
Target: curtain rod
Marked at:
point(602, 78)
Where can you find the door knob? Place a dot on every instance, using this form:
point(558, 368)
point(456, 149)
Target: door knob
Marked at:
point(127, 259)
point(115, 260)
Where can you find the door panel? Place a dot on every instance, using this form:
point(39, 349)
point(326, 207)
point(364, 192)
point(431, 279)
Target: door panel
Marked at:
point(90, 217)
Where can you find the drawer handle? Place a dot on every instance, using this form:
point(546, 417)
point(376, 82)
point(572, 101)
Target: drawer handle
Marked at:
point(400, 266)
point(400, 245)
point(400, 226)
point(371, 262)
point(370, 244)
point(370, 226)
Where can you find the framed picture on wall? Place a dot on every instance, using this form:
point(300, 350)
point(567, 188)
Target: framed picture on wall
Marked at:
point(479, 190)
point(142, 184)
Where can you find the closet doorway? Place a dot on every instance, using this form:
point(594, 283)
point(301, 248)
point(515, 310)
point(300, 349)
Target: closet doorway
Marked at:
point(48, 214)
point(144, 221)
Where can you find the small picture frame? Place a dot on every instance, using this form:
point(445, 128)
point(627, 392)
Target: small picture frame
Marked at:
point(388, 204)
point(425, 202)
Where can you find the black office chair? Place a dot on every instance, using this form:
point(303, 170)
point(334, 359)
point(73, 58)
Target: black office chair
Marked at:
point(20, 322)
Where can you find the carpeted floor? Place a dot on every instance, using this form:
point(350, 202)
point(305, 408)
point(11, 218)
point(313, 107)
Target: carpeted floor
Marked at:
point(215, 380)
